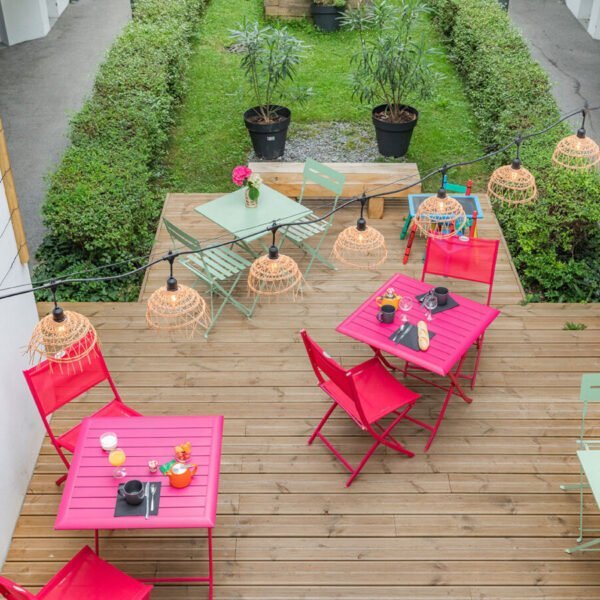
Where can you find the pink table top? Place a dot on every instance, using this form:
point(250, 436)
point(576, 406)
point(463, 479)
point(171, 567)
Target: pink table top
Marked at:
point(456, 329)
point(89, 497)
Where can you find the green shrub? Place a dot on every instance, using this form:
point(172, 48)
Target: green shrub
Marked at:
point(555, 241)
point(103, 200)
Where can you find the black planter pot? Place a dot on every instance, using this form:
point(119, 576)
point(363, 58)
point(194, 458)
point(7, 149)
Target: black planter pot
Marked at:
point(393, 139)
point(268, 139)
point(326, 18)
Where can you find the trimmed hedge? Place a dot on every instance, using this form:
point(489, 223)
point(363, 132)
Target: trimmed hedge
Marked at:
point(555, 241)
point(103, 200)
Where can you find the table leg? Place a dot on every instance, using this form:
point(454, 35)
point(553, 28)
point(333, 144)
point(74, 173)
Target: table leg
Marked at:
point(97, 542)
point(210, 564)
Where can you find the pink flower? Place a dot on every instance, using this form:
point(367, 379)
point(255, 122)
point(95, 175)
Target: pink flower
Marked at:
point(240, 174)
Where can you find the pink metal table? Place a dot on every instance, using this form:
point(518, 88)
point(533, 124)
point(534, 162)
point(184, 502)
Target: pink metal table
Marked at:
point(456, 331)
point(88, 500)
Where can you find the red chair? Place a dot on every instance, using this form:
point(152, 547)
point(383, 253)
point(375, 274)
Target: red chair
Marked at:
point(53, 386)
point(368, 393)
point(470, 260)
point(84, 577)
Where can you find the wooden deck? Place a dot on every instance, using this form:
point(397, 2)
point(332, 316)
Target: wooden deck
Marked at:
point(479, 517)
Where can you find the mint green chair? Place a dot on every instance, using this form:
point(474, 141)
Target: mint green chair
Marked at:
point(216, 267)
point(331, 180)
point(589, 391)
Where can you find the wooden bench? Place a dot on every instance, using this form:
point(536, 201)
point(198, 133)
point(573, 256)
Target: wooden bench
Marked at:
point(286, 177)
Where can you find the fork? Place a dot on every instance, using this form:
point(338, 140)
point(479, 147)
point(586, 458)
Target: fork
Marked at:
point(152, 492)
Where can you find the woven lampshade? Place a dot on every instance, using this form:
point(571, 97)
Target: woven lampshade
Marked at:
point(577, 152)
point(176, 307)
point(440, 216)
point(62, 337)
point(360, 246)
point(512, 184)
point(274, 274)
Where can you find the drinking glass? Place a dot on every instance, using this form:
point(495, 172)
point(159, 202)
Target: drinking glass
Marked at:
point(430, 303)
point(405, 305)
point(117, 459)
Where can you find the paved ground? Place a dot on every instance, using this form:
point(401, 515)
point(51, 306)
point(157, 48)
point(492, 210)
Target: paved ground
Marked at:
point(44, 82)
point(567, 52)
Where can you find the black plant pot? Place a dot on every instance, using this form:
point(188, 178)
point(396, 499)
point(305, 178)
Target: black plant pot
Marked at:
point(393, 139)
point(326, 18)
point(268, 139)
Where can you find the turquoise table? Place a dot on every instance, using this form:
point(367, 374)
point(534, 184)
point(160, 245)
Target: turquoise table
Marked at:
point(230, 213)
point(590, 467)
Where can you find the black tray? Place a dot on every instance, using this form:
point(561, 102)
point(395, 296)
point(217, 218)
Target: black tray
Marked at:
point(122, 509)
point(451, 303)
point(411, 339)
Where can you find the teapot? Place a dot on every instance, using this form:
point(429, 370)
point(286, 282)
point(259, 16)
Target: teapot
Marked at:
point(180, 475)
point(390, 297)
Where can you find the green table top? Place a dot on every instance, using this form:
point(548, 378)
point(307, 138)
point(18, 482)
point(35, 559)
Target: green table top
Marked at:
point(230, 212)
point(590, 463)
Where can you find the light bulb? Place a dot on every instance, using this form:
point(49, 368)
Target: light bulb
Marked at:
point(441, 206)
point(173, 298)
point(578, 146)
point(360, 238)
point(513, 174)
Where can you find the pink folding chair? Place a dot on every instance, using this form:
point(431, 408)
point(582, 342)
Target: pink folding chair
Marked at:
point(53, 386)
point(471, 260)
point(368, 393)
point(84, 577)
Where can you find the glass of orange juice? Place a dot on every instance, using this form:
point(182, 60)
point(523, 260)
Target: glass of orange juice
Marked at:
point(117, 459)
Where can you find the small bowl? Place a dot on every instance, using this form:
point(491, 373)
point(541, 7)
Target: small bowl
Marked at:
point(109, 441)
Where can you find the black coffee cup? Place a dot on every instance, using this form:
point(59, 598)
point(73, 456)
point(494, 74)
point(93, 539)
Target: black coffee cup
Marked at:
point(386, 314)
point(441, 293)
point(132, 491)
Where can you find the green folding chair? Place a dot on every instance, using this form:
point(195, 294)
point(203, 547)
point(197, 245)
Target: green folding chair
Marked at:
point(214, 267)
point(589, 392)
point(331, 180)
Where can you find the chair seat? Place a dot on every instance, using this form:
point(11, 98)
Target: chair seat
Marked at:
point(116, 408)
point(219, 263)
point(299, 233)
point(379, 391)
point(86, 576)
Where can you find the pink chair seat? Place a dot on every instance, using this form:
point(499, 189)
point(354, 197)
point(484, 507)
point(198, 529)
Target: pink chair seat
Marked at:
point(85, 577)
point(380, 393)
point(116, 408)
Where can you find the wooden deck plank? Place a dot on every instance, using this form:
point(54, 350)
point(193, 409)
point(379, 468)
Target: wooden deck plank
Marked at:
point(481, 517)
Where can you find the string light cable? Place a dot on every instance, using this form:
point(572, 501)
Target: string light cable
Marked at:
point(57, 282)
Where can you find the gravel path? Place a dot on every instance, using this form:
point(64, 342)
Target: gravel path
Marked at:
point(330, 142)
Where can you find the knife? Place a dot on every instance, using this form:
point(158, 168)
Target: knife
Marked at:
point(147, 500)
point(405, 331)
point(394, 337)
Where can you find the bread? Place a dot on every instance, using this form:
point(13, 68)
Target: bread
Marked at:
point(423, 334)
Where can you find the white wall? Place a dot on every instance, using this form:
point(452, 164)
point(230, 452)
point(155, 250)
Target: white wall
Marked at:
point(21, 429)
point(24, 19)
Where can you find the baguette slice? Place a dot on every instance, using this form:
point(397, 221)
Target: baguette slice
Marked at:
point(423, 334)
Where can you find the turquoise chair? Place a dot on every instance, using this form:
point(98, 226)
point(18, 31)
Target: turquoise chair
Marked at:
point(214, 267)
point(331, 180)
point(589, 392)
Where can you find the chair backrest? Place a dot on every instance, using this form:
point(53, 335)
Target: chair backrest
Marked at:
point(53, 386)
point(324, 176)
point(455, 187)
point(473, 259)
point(323, 364)
point(589, 391)
point(180, 236)
point(12, 591)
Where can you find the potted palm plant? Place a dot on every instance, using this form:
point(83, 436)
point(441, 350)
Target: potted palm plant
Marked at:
point(270, 56)
point(391, 67)
point(326, 14)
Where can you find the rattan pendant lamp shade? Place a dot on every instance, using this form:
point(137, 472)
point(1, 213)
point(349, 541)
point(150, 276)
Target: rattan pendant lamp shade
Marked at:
point(275, 274)
point(360, 246)
point(440, 216)
point(175, 307)
point(577, 152)
point(512, 184)
point(63, 337)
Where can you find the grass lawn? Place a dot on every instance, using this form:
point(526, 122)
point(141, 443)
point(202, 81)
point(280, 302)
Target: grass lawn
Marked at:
point(210, 137)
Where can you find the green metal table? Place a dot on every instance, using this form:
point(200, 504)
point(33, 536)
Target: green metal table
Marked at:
point(590, 468)
point(230, 213)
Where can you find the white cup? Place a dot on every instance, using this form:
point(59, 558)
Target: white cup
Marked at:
point(109, 441)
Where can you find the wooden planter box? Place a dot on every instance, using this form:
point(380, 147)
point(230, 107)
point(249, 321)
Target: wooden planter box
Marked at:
point(293, 9)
